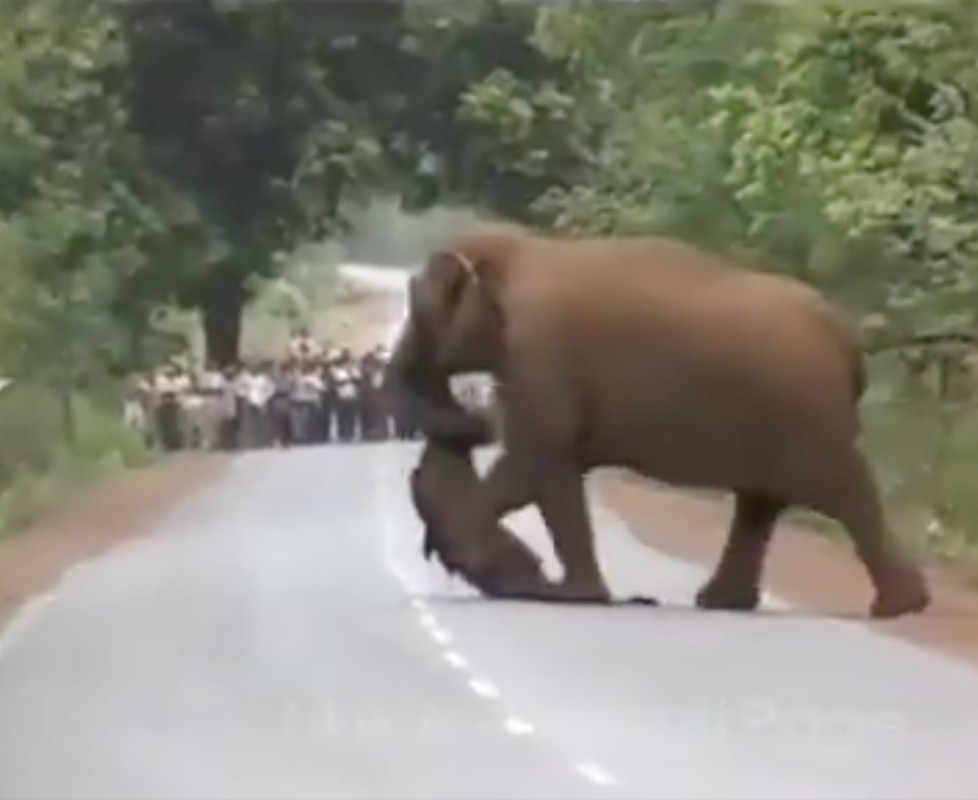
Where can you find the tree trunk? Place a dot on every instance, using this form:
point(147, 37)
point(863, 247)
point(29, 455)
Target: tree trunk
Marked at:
point(69, 421)
point(222, 313)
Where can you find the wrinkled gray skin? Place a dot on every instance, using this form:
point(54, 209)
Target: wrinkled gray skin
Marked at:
point(651, 355)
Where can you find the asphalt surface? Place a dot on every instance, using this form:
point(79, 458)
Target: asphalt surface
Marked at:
point(280, 637)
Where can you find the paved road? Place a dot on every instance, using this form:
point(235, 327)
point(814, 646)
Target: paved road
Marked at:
point(281, 637)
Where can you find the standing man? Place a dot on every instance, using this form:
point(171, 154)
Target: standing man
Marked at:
point(257, 389)
point(371, 400)
point(168, 411)
point(137, 407)
point(230, 416)
point(307, 389)
point(327, 397)
point(302, 347)
point(280, 404)
point(345, 379)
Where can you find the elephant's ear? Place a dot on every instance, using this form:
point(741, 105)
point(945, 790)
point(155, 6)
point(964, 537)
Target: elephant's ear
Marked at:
point(450, 274)
point(460, 277)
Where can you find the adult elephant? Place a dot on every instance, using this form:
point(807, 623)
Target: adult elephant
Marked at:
point(650, 354)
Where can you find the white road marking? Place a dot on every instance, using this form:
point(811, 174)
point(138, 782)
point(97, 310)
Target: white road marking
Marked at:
point(517, 726)
point(513, 725)
point(595, 773)
point(440, 635)
point(483, 688)
point(456, 660)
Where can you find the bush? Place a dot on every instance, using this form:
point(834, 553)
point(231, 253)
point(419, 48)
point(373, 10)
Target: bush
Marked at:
point(39, 462)
point(925, 455)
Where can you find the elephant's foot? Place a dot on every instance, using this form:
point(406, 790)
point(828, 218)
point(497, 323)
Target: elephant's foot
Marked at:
point(728, 596)
point(904, 592)
point(572, 590)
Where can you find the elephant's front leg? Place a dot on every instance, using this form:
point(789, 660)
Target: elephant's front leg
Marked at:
point(514, 483)
point(563, 506)
point(508, 487)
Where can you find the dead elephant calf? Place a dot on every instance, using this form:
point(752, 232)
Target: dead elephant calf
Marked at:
point(461, 530)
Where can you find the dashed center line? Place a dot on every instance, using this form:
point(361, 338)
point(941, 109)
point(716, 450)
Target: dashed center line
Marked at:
point(595, 773)
point(456, 660)
point(483, 688)
point(440, 635)
point(517, 726)
point(513, 725)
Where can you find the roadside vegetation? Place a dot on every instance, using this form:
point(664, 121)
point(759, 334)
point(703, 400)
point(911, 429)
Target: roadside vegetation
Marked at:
point(191, 172)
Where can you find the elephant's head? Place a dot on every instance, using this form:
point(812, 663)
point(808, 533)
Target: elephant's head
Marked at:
point(455, 317)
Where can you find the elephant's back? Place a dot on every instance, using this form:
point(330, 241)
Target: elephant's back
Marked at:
point(663, 344)
point(668, 295)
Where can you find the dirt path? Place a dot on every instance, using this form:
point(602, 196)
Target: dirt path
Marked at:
point(817, 574)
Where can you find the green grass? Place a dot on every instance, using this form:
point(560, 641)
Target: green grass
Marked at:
point(40, 465)
point(925, 457)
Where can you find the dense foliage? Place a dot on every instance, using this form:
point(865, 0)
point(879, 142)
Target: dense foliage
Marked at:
point(161, 154)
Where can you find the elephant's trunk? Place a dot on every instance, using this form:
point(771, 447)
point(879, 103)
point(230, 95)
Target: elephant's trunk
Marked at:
point(414, 378)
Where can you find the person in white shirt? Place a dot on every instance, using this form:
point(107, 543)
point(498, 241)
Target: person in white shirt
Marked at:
point(344, 380)
point(204, 408)
point(136, 406)
point(279, 406)
point(211, 381)
point(168, 414)
point(256, 389)
point(307, 390)
point(302, 347)
point(230, 411)
point(329, 398)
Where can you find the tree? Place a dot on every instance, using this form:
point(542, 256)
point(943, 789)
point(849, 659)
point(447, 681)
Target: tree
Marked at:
point(480, 115)
point(242, 106)
point(76, 207)
point(833, 142)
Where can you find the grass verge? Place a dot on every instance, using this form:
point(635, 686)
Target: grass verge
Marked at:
point(48, 451)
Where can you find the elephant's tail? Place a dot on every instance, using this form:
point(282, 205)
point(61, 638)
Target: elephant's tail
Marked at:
point(859, 378)
point(857, 362)
point(850, 340)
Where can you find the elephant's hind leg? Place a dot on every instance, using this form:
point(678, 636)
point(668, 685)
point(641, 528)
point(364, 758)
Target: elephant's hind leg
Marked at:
point(850, 496)
point(735, 583)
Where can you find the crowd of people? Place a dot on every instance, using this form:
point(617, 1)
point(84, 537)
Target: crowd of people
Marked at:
point(311, 395)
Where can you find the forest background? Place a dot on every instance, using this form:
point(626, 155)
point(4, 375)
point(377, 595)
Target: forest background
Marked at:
point(190, 173)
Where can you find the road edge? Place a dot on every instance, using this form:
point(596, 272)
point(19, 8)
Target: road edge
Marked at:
point(814, 573)
point(94, 521)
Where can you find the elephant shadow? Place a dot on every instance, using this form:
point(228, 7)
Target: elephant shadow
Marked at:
point(674, 608)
